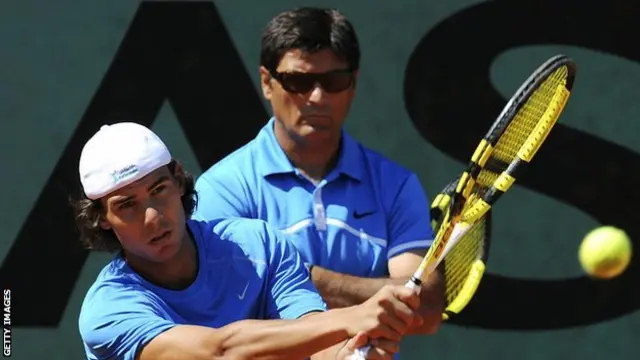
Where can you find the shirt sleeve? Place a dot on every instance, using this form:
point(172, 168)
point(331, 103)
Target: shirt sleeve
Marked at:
point(291, 291)
point(220, 197)
point(118, 323)
point(410, 219)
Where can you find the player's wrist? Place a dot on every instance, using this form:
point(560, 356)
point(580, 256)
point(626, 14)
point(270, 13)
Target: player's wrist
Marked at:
point(347, 319)
point(358, 319)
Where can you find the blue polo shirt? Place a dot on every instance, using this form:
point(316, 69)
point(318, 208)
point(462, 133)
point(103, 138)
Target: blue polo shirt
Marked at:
point(367, 210)
point(246, 271)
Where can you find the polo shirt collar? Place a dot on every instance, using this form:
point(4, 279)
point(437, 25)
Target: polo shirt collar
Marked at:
point(273, 160)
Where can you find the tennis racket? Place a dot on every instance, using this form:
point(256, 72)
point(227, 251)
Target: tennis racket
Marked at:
point(509, 145)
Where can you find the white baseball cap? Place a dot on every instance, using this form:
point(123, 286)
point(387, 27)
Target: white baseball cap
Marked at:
point(118, 155)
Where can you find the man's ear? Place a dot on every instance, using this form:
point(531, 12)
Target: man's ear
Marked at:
point(265, 82)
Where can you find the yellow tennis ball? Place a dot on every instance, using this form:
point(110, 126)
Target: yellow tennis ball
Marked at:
point(605, 252)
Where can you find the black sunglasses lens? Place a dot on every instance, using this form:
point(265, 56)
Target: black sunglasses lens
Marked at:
point(301, 83)
point(335, 82)
point(298, 83)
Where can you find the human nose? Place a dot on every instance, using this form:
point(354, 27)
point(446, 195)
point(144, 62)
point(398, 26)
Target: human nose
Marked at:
point(152, 214)
point(317, 95)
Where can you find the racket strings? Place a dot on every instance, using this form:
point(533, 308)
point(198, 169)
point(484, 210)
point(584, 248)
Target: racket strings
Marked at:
point(526, 119)
point(516, 134)
point(460, 259)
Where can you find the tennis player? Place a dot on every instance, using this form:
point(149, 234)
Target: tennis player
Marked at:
point(359, 220)
point(184, 289)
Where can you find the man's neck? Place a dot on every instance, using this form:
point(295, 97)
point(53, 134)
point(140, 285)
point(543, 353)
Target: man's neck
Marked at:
point(175, 274)
point(313, 160)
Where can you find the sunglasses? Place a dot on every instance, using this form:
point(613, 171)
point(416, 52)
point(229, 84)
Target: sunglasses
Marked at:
point(301, 83)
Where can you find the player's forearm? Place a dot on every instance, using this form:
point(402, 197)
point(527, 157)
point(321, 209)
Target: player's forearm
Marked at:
point(287, 339)
point(342, 290)
point(254, 339)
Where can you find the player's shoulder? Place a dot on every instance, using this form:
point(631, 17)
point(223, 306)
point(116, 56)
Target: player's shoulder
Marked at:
point(114, 287)
point(114, 279)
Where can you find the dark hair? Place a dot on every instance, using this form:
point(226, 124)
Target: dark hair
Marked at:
point(309, 29)
point(88, 214)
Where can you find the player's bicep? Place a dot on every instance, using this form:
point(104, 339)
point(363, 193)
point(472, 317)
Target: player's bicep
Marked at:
point(409, 220)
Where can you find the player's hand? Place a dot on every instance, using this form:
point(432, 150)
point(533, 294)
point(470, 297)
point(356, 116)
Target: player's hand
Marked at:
point(381, 349)
point(386, 315)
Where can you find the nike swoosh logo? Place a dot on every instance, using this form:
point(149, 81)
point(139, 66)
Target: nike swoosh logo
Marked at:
point(244, 292)
point(357, 215)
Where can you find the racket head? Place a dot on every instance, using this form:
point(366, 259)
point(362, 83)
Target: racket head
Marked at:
point(523, 125)
point(559, 64)
point(510, 143)
point(516, 136)
point(465, 264)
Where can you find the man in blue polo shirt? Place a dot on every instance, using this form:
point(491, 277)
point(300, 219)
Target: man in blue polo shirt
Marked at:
point(358, 219)
point(184, 289)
